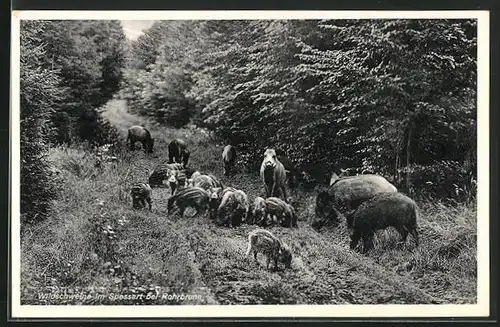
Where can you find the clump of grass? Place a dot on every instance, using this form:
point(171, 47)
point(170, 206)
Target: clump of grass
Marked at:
point(274, 292)
point(447, 251)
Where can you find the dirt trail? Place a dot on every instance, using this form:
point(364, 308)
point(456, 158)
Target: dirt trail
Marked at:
point(323, 270)
point(116, 113)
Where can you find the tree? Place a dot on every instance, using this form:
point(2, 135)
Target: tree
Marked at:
point(89, 57)
point(40, 94)
point(158, 82)
point(411, 84)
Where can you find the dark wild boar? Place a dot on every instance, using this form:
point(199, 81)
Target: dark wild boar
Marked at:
point(194, 197)
point(259, 214)
point(233, 208)
point(163, 172)
point(383, 210)
point(216, 194)
point(292, 173)
point(206, 182)
point(177, 180)
point(178, 152)
point(284, 212)
point(229, 159)
point(141, 134)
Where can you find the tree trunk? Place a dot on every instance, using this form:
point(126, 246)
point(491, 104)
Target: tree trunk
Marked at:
point(399, 149)
point(396, 167)
point(408, 150)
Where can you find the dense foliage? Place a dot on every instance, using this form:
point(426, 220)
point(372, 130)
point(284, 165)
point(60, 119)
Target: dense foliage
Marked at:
point(396, 97)
point(163, 62)
point(89, 57)
point(40, 94)
point(69, 69)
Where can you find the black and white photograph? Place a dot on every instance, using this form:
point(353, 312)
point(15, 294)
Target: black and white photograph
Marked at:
point(250, 164)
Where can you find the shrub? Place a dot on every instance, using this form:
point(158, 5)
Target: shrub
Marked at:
point(444, 180)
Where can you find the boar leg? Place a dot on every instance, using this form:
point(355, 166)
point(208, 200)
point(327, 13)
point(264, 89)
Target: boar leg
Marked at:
point(355, 239)
point(272, 189)
point(367, 242)
point(414, 233)
point(404, 234)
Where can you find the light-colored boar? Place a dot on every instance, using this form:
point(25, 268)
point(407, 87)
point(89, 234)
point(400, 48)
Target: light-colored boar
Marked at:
point(345, 195)
point(284, 212)
point(273, 175)
point(141, 193)
point(265, 242)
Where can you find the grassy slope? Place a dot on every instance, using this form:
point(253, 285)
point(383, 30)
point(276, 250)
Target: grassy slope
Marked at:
point(161, 253)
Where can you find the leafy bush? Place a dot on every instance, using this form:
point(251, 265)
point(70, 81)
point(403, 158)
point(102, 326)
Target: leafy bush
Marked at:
point(444, 179)
point(160, 74)
point(96, 129)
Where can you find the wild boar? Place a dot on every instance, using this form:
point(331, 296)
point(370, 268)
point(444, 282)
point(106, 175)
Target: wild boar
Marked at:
point(381, 211)
point(141, 193)
point(265, 242)
point(345, 195)
point(284, 212)
point(195, 197)
point(233, 208)
point(259, 212)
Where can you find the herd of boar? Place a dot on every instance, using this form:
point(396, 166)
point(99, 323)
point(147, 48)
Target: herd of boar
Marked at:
point(367, 202)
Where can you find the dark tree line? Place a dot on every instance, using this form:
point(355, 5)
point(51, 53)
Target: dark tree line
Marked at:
point(396, 97)
point(69, 69)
